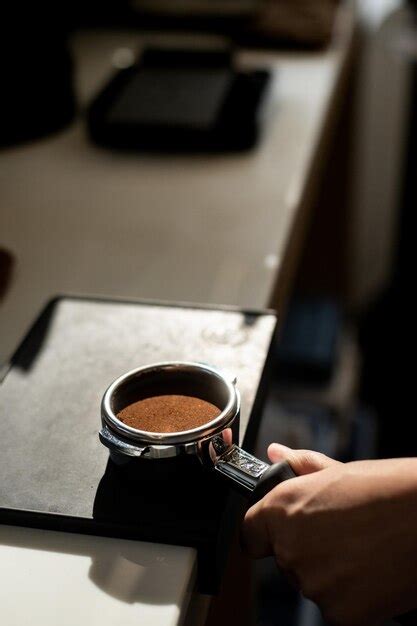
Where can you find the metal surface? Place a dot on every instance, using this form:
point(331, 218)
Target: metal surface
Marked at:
point(241, 467)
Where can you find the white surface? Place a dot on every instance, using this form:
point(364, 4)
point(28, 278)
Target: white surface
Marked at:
point(50, 578)
point(193, 228)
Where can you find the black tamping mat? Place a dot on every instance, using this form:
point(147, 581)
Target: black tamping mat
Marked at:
point(54, 471)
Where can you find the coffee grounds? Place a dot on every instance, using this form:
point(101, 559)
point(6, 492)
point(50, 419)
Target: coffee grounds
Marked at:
point(168, 414)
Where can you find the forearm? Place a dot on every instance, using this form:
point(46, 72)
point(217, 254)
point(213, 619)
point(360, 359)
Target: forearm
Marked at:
point(391, 489)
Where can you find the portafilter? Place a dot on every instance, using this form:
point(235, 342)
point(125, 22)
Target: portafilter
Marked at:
point(213, 443)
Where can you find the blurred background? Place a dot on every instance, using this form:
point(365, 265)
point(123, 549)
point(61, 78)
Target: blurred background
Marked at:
point(253, 153)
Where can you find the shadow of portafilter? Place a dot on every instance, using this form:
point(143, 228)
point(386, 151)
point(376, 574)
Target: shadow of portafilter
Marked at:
point(129, 571)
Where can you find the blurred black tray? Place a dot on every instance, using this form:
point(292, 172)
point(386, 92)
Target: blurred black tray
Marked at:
point(180, 101)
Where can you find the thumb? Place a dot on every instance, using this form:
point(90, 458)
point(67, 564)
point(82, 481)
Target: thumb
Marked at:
point(301, 461)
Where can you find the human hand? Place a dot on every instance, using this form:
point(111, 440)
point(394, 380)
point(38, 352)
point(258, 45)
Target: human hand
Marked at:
point(346, 533)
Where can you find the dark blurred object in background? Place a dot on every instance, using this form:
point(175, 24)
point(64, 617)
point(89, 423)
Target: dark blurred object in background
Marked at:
point(294, 23)
point(389, 331)
point(176, 99)
point(198, 8)
point(6, 268)
point(309, 342)
point(36, 71)
point(263, 23)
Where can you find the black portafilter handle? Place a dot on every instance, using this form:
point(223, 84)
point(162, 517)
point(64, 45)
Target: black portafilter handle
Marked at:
point(273, 476)
point(248, 475)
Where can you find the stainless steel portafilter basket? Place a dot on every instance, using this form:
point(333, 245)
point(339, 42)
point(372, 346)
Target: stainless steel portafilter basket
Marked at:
point(213, 443)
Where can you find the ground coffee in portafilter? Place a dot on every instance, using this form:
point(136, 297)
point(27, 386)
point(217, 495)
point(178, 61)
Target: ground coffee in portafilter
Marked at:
point(168, 413)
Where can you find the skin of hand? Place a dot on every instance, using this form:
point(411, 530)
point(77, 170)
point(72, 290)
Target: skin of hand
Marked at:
point(345, 533)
